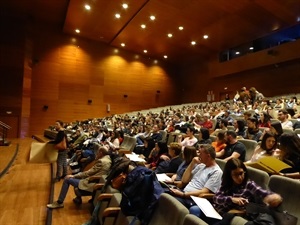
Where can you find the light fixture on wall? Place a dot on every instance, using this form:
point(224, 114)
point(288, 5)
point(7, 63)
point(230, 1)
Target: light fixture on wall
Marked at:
point(90, 101)
point(125, 96)
point(158, 91)
point(45, 107)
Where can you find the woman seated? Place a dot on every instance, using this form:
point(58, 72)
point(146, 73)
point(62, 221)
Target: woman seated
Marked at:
point(290, 150)
point(252, 133)
point(268, 147)
point(236, 191)
point(264, 120)
point(220, 142)
point(239, 126)
point(170, 163)
point(190, 139)
point(154, 158)
point(189, 152)
point(204, 136)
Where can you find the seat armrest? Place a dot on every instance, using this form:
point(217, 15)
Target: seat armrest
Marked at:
point(207, 195)
point(105, 196)
point(238, 212)
point(98, 186)
point(111, 212)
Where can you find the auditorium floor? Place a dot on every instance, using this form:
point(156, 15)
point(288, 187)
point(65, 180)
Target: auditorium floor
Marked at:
point(24, 193)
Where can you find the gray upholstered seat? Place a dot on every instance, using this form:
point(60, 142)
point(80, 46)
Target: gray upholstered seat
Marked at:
point(250, 147)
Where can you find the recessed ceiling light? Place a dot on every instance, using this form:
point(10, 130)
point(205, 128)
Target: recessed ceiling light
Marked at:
point(143, 26)
point(145, 51)
point(117, 15)
point(116, 51)
point(205, 36)
point(123, 44)
point(77, 31)
point(180, 28)
point(251, 48)
point(125, 6)
point(193, 42)
point(165, 56)
point(155, 61)
point(237, 53)
point(87, 7)
point(152, 17)
point(170, 35)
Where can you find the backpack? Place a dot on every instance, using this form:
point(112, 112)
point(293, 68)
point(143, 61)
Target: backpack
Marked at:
point(140, 194)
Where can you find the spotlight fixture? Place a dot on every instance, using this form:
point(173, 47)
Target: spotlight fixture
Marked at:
point(77, 31)
point(87, 7)
point(117, 15)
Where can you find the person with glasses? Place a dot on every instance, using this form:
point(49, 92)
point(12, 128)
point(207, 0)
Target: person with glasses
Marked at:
point(236, 191)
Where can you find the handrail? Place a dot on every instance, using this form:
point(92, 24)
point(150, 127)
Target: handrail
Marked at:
point(4, 125)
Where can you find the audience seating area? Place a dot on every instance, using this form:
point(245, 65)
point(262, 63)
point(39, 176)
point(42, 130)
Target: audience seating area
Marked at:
point(169, 210)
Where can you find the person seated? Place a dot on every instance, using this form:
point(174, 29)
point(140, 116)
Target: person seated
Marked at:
point(222, 127)
point(189, 152)
point(267, 147)
point(190, 139)
point(204, 137)
point(228, 117)
point(112, 142)
point(154, 158)
point(202, 176)
point(252, 132)
point(233, 149)
point(169, 163)
point(81, 180)
point(290, 153)
point(264, 120)
point(283, 118)
point(235, 192)
point(239, 126)
point(220, 142)
point(149, 142)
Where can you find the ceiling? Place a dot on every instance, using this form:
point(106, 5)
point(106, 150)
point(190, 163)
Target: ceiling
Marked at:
point(228, 23)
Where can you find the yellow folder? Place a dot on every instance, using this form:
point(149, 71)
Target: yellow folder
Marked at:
point(269, 164)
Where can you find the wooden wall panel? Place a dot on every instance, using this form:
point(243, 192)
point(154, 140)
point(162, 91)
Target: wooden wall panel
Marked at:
point(67, 75)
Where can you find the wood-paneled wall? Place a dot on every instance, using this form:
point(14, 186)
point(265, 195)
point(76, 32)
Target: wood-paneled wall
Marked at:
point(272, 75)
point(70, 71)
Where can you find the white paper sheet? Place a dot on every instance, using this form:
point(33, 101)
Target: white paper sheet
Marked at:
point(163, 177)
point(206, 207)
point(134, 158)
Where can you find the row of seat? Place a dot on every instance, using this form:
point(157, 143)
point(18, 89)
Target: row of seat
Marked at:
point(168, 211)
point(286, 187)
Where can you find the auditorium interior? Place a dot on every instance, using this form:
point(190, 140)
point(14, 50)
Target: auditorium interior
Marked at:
point(74, 60)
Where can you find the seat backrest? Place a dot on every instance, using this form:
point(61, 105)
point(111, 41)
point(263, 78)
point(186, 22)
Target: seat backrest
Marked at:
point(250, 147)
point(288, 131)
point(259, 176)
point(229, 127)
point(297, 131)
point(191, 219)
point(288, 188)
point(164, 135)
point(213, 138)
point(168, 211)
point(125, 141)
point(171, 137)
point(221, 163)
point(131, 143)
point(214, 122)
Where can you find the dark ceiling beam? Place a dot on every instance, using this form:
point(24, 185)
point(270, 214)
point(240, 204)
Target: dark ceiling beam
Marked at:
point(131, 18)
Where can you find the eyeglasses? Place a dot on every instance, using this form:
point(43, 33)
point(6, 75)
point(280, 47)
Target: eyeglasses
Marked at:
point(238, 174)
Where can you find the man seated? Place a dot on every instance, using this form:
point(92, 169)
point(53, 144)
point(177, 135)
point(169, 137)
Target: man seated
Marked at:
point(233, 149)
point(203, 175)
point(81, 180)
point(283, 118)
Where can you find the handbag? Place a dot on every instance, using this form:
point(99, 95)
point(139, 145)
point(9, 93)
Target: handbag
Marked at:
point(61, 145)
point(119, 181)
point(281, 218)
